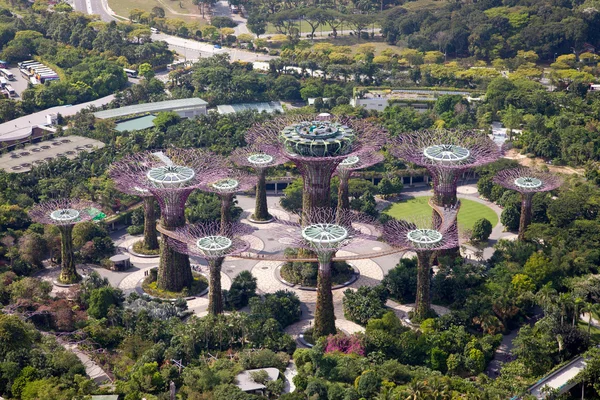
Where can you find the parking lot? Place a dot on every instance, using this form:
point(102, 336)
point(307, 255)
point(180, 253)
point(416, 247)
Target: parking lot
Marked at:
point(20, 84)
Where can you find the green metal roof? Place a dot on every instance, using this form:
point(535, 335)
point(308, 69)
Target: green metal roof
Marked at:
point(158, 106)
point(136, 124)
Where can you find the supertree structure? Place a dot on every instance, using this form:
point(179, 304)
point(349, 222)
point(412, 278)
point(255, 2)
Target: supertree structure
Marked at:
point(527, 182)
point(150, 240)
point(64, 214)
point(446, 154)
point(347, 167)
point(207, 240)
point(325, 231)
point(317, 146)
point(259, 158)
point(423, 237)
point(170, 176)
point(225, 183)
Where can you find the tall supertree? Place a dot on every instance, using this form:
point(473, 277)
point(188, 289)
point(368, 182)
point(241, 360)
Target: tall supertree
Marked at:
point(207, 240)
point(170, 176)
point(150, 240)
point(259, 158)
point(317, 147)
point(425, 238)
point(225, 183)
point(446, 154)
point(64, 214)
point(527, 182)
point(347, 167)
point(325, 231)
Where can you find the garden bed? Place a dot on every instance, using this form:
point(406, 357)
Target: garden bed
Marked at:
point(149, 286)
point(305, 273)
point(138, 249)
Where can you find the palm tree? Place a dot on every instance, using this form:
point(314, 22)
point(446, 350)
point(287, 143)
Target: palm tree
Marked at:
point(565, 304)
point(416, 390)
point(546, 297)
point(578, 304)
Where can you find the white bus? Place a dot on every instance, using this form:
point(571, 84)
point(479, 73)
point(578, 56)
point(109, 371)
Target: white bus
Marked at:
point(23, 64)
point(131, 73)
point(25, 74)
point(10, 90)
point(7, 74)
point(3, 82)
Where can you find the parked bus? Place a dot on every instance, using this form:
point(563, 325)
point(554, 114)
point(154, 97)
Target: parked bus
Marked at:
point(3, 82)
point(131, 73)
point(25, 74)
point(3, 64)
point(23, 64)
point(40, 69)
point(10, 90)
point(44, 72)
point(48, 78)
point(34, 81)
point(7, 74)
point(32, 67)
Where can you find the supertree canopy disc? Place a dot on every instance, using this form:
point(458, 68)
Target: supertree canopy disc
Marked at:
point(325, 235)
point(258, 156)
point(318, 139)
point(260, 159)
point(65, 215)
point(214, 245)
point(425, 238)
point(64, 212)
point(229, 181)
point(227, 185)
point(419, 234)
point(448, 149)
point(170, 176)
point(527, 180)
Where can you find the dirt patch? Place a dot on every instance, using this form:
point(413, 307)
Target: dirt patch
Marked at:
point(534, 162)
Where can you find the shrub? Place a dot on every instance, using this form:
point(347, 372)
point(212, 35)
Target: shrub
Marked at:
point(482, 230)
point(347, 344)
point(101, 299)
point(263, 358)
point(283, 306)
point(242, 289)
point(135, 230)
point(401, 282)
point(364, 304)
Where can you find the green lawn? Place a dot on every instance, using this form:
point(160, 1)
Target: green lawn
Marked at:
point(470, 211)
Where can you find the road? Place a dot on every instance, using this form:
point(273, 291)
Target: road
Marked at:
point(98, 7)
point(222, 9)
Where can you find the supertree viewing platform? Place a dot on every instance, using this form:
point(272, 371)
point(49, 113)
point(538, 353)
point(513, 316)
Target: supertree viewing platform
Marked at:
point(259, 158)
point(208, 241)
point(225, 183)
point(65, 214)
point(324, 231)
point(527, 182)
point(347, 167)
point(423, 238)
point(170, 176)
point(317, 147)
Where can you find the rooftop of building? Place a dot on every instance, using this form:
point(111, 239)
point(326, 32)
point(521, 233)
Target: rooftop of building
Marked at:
point(245, 382)
point(270, 107)
point(22, 160)
point(155, 107)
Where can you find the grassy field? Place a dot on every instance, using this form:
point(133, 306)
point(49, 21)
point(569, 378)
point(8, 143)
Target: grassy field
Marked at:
point(183, 9)
point(470, 211)
point(424, 4)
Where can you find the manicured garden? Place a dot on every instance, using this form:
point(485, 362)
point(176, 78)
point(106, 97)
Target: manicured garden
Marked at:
point(470, 211)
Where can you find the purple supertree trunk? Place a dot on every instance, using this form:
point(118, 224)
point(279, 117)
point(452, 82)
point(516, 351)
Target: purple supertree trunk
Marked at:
point(259, 158)
point(64, 214)
point(324, 231)
point(213, 242)
point(528, 182)
point(423, 237)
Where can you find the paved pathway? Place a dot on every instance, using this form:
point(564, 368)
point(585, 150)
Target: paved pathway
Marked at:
point(93, 370)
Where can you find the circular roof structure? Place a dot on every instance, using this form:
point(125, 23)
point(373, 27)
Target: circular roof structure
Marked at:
point(324, 235)
point(318, 139)
point(65, 215)
point(446, 153)
point(350, 162)
point(170, 176)
point(424, 238)
point(226, 185)
point(528, 182)
point(214, 245)
point(260, 159)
